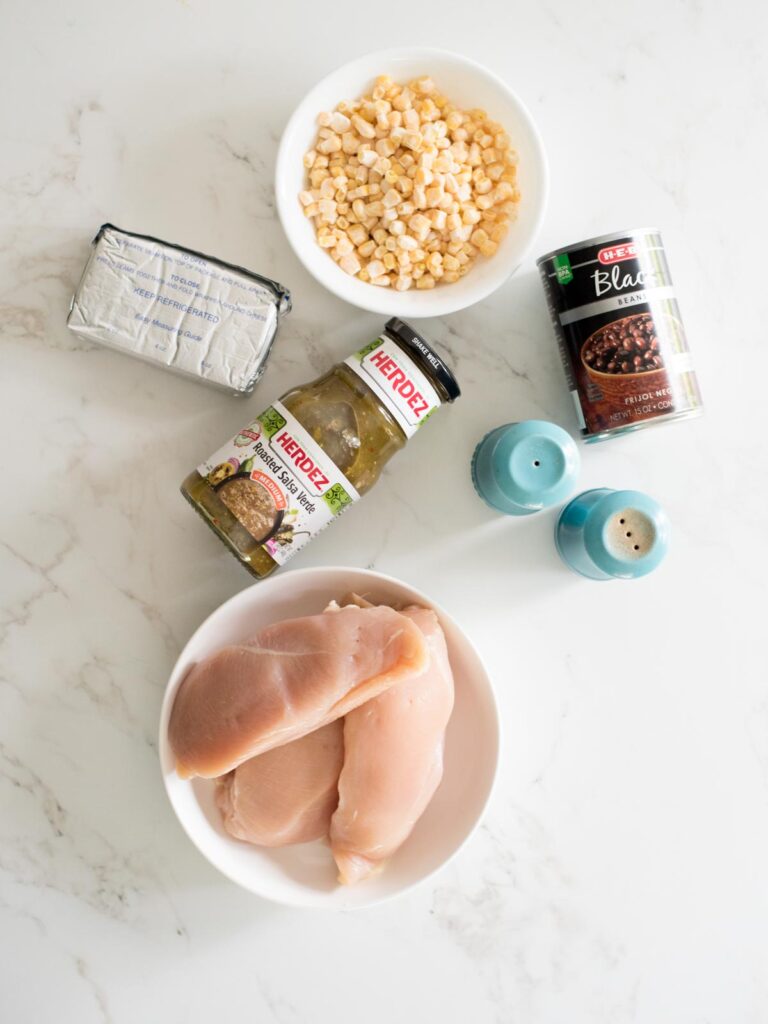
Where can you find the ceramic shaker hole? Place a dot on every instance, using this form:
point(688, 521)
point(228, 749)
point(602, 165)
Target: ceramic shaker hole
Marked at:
point(629, 534)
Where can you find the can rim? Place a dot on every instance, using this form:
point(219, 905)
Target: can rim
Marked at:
point(597, 240)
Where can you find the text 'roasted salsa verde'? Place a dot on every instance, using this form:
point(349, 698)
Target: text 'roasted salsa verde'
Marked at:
point(300, 463)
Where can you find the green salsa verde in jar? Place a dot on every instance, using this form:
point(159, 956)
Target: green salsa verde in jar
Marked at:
point(298, 465)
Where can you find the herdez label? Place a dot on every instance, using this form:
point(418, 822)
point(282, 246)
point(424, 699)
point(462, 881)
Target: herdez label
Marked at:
point(402, 387)
point(278, 482)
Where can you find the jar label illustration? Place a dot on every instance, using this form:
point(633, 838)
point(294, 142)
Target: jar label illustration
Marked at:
point(278, 483)
point(400, 384)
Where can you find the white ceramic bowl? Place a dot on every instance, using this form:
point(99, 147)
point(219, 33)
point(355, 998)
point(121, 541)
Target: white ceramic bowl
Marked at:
point(305, 875)
point(468, 85)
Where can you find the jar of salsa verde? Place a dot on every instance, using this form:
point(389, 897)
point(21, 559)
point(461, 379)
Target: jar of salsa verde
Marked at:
point(298, 465)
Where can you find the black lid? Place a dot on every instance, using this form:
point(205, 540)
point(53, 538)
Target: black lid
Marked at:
point(423, 354)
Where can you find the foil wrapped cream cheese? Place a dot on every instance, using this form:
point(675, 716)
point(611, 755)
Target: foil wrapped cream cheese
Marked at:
point(177, 308)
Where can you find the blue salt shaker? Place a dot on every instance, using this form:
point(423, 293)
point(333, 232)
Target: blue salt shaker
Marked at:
point(605, 534)
point(520, 468)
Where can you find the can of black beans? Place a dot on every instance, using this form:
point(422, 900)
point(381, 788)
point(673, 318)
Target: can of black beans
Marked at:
point(621, 337)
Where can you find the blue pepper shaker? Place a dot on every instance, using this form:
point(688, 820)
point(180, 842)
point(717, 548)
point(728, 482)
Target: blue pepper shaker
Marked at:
point(520, 468)
point(605, 534)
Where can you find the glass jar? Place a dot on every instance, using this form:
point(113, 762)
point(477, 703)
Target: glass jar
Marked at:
point(323, 445)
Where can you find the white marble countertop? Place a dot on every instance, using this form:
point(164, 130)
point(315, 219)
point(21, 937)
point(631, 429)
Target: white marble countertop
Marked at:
point(621, 873)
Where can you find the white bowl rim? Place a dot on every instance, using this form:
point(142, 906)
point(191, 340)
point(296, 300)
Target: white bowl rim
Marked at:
point(174, 681)
point(439, 301)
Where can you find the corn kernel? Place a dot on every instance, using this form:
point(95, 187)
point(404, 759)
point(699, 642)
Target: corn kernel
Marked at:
point(350, 264)
point(329, 145)
point(433, 195)
point(363, 127)
point(437, 219)
point(339, 122)
point(412, 140)
point(357, 234)
point(401, 178)
point(350, 143)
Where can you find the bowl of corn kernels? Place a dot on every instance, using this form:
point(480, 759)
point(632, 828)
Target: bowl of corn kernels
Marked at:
point(411, 182)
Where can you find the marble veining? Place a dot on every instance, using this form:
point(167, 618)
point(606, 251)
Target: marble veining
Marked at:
point(619, 875)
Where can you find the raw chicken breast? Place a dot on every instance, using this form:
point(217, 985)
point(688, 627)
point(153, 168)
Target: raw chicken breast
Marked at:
point(293, 677)
point(288, 794)
point(393, 760)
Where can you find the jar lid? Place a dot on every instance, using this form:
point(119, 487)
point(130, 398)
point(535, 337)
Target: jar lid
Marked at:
point(423, 354)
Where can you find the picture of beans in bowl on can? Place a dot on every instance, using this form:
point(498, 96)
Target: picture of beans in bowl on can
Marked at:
point(627, 361)
point(256, 501)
